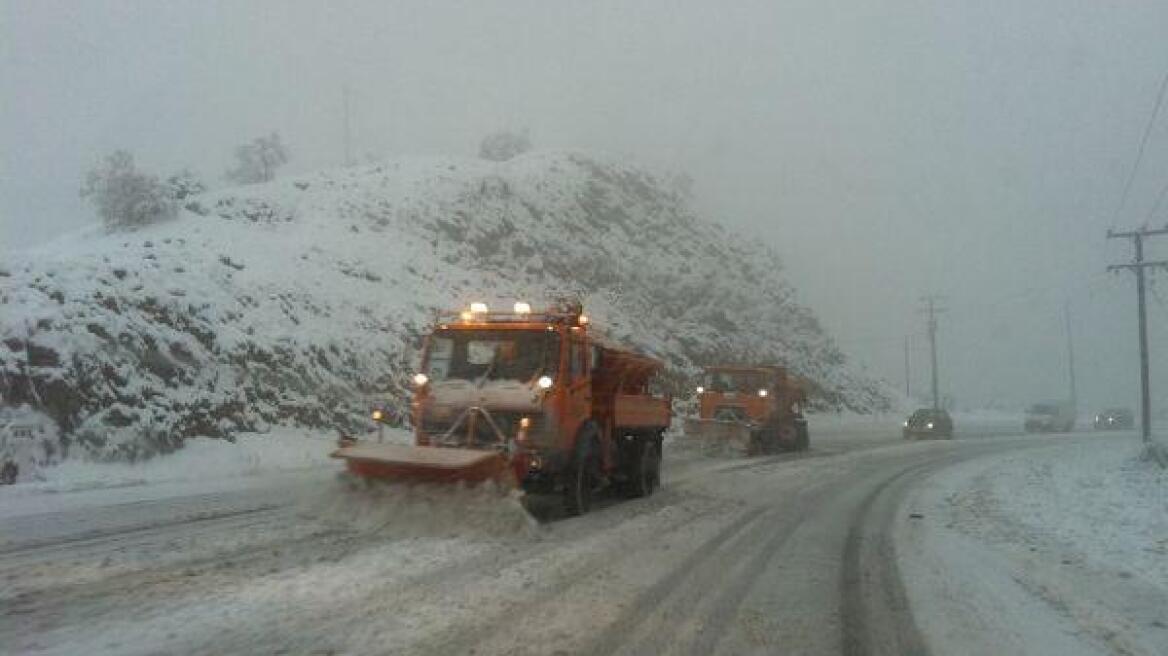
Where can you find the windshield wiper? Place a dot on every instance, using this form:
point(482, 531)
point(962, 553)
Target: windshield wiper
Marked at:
point(486, 374)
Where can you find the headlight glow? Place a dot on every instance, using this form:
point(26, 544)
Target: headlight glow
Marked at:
point(701, 390)
point(377, 415)
point(929, 425)
point(479, 308)
point(544, 382)
point(421, 379)
point(762, 392)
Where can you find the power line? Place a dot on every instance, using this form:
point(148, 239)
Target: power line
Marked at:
point(1140, 151)
point(1159, 200)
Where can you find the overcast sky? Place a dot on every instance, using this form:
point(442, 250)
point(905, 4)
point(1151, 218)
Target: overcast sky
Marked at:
point(886, 150)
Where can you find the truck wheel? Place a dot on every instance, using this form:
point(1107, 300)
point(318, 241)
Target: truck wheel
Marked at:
point(755, 446)
point(8, 473)
point(644, 469)
point(578, 478)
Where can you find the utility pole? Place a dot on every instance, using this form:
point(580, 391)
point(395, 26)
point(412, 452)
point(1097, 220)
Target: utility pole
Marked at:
point(907, 385)
point(1070, 355)
point(932, 310)
point(348, 135)
point(1140, 267)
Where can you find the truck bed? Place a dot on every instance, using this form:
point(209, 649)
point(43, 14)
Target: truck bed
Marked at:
point(641, 411)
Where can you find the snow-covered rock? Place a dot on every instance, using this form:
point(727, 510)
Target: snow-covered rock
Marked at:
point(297, 301)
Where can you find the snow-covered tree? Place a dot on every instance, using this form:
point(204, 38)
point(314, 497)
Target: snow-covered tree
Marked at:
point(503, 145)
point(185, 184)
point(125, 197)
point(258, 160)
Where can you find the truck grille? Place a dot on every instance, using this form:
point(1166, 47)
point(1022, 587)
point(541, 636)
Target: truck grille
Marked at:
point(483, 436)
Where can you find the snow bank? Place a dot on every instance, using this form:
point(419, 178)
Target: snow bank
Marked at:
point(1101, 500)
point(980, 421)
point(1052, 550)
point(201, 460)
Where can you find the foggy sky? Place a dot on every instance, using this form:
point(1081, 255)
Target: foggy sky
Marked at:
point(972, 149)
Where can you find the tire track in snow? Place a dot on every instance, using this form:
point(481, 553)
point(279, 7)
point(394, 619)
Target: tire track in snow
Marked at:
point(649, 600)
point(729, 599)
point(468, 637)
point(874, 609)
point(73, 541)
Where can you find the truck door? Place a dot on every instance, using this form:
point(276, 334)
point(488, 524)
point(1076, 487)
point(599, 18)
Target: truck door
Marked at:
point(579, 382)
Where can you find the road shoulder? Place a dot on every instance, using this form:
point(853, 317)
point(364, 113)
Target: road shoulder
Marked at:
point(1057, 549)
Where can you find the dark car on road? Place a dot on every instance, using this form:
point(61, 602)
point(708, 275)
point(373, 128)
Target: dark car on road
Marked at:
point(1115, 419)
point(928, 422)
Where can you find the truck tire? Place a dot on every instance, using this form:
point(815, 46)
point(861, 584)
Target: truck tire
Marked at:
point(578, 478)
point(644, 472)
point(757, 445)
point(8, 473)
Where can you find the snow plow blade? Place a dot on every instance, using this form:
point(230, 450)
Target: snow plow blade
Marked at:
point(423, 464)
point(719, 437)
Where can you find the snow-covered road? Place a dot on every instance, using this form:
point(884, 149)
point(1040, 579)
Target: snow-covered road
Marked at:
point(790, 554)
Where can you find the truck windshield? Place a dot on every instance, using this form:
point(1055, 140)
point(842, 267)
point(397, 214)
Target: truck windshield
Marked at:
point(484, 355)
point(736, 381)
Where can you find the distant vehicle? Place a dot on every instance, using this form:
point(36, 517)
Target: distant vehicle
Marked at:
point(25, 443)
point(750, 410)
point(1050, 417)
point(928, 422)
point(1115, 419)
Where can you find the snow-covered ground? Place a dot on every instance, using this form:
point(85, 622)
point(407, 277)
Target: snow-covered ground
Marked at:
point(1061, 549)
point(1031, 544)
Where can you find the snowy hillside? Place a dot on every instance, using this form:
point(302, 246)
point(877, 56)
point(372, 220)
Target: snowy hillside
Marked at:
point(297, 301)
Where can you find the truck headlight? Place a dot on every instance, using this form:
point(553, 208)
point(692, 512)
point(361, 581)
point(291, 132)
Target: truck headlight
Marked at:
point(421, 379)
point(544, 382)
point(701, 390)
point(762, 393)
point(929, 425)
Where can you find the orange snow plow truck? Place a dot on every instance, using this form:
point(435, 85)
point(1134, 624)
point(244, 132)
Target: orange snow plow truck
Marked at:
point(749, 410)
point(525, 398)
